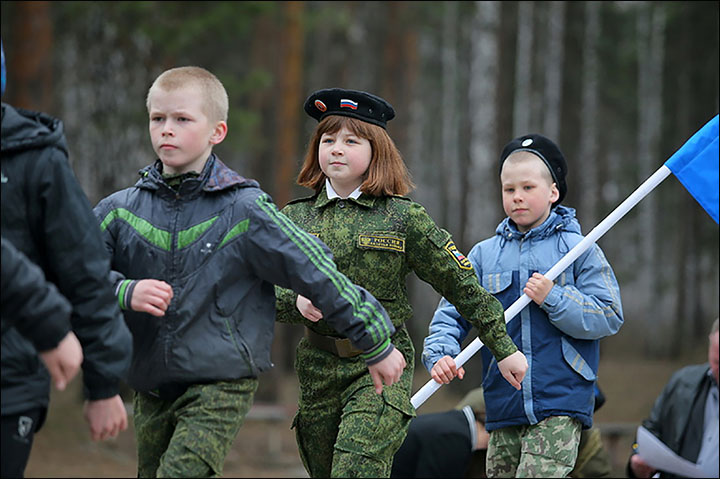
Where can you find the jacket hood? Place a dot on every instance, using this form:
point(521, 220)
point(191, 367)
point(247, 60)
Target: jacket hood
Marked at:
point(26, 130)
point(560, 218)
point(215, 176)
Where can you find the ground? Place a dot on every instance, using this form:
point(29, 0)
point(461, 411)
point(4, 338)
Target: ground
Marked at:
point(265, 446)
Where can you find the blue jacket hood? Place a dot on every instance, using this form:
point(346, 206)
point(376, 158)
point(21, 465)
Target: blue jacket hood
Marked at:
point(560, 218)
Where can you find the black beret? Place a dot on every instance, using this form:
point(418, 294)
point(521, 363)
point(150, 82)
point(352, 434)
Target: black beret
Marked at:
point(356, 104)
point(547, 151)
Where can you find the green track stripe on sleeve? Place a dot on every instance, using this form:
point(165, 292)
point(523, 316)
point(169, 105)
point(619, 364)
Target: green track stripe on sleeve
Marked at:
point(121, 293)
point(366, 311)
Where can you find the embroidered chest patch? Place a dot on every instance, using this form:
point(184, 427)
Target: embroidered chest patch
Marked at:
point(459, 258)
point(381, 241)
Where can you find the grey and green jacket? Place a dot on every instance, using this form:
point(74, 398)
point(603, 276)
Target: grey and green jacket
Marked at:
point(377, 242)
point(221, 244)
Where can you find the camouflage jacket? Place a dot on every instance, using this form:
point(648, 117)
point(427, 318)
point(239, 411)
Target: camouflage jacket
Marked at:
point(376, 242)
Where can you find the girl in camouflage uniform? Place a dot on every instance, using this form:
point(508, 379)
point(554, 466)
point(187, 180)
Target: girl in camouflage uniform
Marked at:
point(343, 428)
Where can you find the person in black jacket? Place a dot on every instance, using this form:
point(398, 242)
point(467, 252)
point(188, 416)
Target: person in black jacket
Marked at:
point(685, 416)
point(446, 444)
point(40, 313)
point(47, 216)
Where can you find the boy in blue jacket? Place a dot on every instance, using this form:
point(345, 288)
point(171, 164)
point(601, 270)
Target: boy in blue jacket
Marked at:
point(535, 432)
point(196, 249)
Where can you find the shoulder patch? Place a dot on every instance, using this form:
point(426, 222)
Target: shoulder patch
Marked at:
point(459, 258)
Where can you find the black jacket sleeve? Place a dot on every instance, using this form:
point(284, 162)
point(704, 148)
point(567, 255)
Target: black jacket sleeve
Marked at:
point(78, 263)
point(29, 303)
point(283, 254)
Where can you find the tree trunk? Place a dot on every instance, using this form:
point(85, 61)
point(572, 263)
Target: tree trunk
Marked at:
point(589, 177)
point(650, 28)
point(289, 110)
point(450, 187)
point(263, 54)
point(483, 90)
point(523, 69)
point(553, 70)
point(291, 98)
point(30, 65)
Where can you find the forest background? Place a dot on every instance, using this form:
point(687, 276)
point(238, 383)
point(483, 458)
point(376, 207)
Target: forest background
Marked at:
point(619, 85)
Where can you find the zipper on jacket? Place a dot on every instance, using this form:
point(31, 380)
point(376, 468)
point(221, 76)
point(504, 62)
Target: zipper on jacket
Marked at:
point(242, 348)
point(171, 277)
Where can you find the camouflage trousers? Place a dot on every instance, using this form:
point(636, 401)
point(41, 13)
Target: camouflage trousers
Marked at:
point(546, 449)
point(343, 427)
point(190, 436)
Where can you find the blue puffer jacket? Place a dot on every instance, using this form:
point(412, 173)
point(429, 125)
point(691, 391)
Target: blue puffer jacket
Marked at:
point(559, 339)
point(221, 244)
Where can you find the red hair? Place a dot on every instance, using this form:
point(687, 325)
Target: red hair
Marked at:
point(387, 173)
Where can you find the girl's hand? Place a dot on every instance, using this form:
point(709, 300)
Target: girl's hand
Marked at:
point(445, 370)
point(537, 288)
point(513, 368)
point(307, 309)
point(387, 371)
point(151, 296)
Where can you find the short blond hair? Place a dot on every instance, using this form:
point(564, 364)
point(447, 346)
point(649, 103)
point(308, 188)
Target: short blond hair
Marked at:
point(216, 99)
point(523, 156)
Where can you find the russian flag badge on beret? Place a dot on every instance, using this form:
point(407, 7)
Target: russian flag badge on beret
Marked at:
point(345, 103)
point(320, 105)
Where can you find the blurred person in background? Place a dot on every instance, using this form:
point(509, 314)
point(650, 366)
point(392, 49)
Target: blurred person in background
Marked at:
point(446, 444)
point(685, 415)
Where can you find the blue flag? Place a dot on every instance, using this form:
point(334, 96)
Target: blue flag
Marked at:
point(695, 164)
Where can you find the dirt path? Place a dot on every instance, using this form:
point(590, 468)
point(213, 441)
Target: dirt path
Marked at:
point(266, 447)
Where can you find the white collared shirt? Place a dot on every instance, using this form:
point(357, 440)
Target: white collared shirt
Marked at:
point(331, 193)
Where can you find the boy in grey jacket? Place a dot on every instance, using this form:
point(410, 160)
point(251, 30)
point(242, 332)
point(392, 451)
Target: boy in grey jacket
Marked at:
point(535, 432)
point(196, 249)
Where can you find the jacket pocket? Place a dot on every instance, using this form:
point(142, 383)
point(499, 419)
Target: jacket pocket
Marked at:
point(576, 361)
point(496, 283)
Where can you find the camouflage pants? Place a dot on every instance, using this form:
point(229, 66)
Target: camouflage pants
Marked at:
point(190, 436)
point(343, 427)
point(546, 449)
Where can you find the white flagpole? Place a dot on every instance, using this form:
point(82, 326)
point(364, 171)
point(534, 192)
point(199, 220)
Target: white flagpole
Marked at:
point(431, 386)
